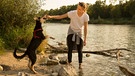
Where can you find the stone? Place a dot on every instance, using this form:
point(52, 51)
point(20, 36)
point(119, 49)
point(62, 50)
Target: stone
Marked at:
point(52, 62)
point(87, 55)
point(67, 70)
point(1, 68)
point(54, 74)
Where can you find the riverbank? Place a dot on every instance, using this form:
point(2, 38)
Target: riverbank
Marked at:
point(95, 65)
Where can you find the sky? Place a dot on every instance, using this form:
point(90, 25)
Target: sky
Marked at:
point(53, 4)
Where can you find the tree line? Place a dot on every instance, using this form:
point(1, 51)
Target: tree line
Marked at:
point(100, 12)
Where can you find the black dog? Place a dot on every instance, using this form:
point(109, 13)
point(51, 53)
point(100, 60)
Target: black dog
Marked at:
point(38, 37)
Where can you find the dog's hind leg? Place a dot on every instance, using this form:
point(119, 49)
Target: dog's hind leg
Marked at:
point(32, 62)
point(29, 64)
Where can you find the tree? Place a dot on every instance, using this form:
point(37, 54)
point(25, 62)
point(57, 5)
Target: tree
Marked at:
point(130, 7)
point(98, 9)
point(20, 14)
point(16, 14)
point(116, 12)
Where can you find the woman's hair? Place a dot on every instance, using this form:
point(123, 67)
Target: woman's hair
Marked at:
point(83, 5)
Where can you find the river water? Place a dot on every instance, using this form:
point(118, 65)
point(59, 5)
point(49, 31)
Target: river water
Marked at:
point(100, 37)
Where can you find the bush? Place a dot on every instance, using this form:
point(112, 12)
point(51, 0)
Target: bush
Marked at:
point(15, 22)
point(18, 37)
point(1, 45)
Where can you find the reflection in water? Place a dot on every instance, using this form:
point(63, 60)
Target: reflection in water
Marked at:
point(80, 73)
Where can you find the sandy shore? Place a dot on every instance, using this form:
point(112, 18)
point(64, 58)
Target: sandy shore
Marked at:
point(15, 66)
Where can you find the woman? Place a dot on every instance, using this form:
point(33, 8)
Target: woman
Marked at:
point(78, 19)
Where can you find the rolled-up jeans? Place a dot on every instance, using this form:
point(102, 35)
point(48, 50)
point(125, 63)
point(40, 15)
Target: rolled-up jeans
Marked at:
point(73, 46)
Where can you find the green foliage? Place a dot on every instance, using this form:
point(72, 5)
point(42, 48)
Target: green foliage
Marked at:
point(18, 37)
point(16, 18)
point(1, 45)
point(116, 12)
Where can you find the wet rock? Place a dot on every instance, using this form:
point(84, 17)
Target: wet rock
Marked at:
point(87, 55)
point(23, 74)
point(67, 70)
point(54, 74)
point(63, 60)
point(53, 57)
point(20, 74)
point(52, 62)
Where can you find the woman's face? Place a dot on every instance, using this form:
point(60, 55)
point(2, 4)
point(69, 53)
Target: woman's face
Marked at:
point(80, 9)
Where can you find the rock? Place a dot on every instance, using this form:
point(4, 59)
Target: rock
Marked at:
point(54, 74)
point(87, 55)
point(63, 60)
point(1, 68)
point(6, 67)
point(23, 74)
point(67, 70)
point(53, 57)
point(52, 62)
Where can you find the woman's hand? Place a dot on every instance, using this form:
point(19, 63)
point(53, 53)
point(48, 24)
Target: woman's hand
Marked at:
point(84, 42)
point(46, 17)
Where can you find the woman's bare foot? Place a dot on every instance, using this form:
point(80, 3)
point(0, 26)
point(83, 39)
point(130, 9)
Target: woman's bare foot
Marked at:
point(69, 63)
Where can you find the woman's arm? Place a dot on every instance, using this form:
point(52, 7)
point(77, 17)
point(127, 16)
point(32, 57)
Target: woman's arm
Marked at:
point(85, 32)
point(58, 16)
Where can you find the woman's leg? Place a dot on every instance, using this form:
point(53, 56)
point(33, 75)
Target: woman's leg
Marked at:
point(70, 45)
point(80, 54)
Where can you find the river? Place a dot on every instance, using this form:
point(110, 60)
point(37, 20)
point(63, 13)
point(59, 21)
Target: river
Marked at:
point(100, 37)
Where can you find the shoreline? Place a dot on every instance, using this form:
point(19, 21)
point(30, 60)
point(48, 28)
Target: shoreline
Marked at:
point(102, 21)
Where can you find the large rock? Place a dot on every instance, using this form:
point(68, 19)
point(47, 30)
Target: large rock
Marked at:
point(67, 70)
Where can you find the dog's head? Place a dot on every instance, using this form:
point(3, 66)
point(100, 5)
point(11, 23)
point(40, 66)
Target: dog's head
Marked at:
point(41, 19)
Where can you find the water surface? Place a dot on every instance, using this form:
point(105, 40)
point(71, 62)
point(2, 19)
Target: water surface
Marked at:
point(100, 37)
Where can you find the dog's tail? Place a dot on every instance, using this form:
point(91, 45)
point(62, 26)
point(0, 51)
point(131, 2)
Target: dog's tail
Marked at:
point(18, 57)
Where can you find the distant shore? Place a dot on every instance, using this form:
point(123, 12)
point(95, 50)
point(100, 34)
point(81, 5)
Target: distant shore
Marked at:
point(121, 21)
